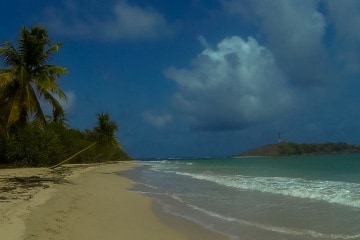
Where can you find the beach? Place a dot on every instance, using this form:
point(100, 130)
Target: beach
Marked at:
point(85, 202)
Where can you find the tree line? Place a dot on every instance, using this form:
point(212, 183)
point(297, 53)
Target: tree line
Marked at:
point(291, 148)
point(288, 148)
point(29, 137)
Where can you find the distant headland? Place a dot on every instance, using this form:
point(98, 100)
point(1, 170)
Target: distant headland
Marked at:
point(290, 148)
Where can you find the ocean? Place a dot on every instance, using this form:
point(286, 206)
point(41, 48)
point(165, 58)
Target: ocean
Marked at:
point(260, 198)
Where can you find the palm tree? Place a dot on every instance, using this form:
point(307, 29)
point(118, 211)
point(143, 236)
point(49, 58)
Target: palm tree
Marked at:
point(105, 130)
point(28, 77)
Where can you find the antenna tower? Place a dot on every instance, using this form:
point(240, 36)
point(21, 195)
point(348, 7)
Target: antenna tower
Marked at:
point(279, 137)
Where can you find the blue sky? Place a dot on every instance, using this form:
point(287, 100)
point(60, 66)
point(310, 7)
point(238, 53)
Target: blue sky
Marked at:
point(205, 77)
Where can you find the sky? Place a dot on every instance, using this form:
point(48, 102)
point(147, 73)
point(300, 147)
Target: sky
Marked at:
point(196, 78)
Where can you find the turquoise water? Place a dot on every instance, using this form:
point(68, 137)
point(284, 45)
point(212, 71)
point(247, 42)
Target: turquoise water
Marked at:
point(280, 198)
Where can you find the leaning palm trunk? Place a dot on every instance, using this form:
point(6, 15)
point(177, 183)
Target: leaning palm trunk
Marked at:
point(68, 159)
point(103, 133)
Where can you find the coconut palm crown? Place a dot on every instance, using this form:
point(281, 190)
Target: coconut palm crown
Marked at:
point(27, 78)
point(105, 129)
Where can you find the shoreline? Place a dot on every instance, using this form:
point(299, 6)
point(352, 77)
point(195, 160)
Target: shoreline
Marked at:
point(189, 229)
point(94, 203)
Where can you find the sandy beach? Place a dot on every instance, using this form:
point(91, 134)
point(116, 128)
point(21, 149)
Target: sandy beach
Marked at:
point(84, 202)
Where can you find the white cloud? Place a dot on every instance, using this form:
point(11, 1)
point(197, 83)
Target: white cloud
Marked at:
point(231, 87)
point(158, 121)
point(294, 31)
point(122, 21)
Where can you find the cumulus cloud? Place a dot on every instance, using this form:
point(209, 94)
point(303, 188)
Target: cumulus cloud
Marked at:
point(123, 22)
point(294, 31)
point(231, 87)
point(158, 121)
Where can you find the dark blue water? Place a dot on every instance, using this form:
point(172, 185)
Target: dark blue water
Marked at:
point(293, 198)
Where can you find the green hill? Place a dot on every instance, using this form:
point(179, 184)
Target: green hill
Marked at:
point(289, 148)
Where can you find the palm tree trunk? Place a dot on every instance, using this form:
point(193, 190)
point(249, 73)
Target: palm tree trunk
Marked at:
point(68, 159)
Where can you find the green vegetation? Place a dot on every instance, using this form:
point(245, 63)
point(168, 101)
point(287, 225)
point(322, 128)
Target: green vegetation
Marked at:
point(289, 148)
point(27, 137)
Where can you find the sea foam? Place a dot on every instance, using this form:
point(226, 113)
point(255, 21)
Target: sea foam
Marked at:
point(343, 193)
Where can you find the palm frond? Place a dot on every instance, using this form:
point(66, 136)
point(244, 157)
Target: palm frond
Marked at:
point(34, 106)
point(54, 48)
point(50, 70)
point(58, 111)
point(48, 84)
point(14, 109)
point(32, 44)
point(6, 78)
point(9, 54)
point(30, 103)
